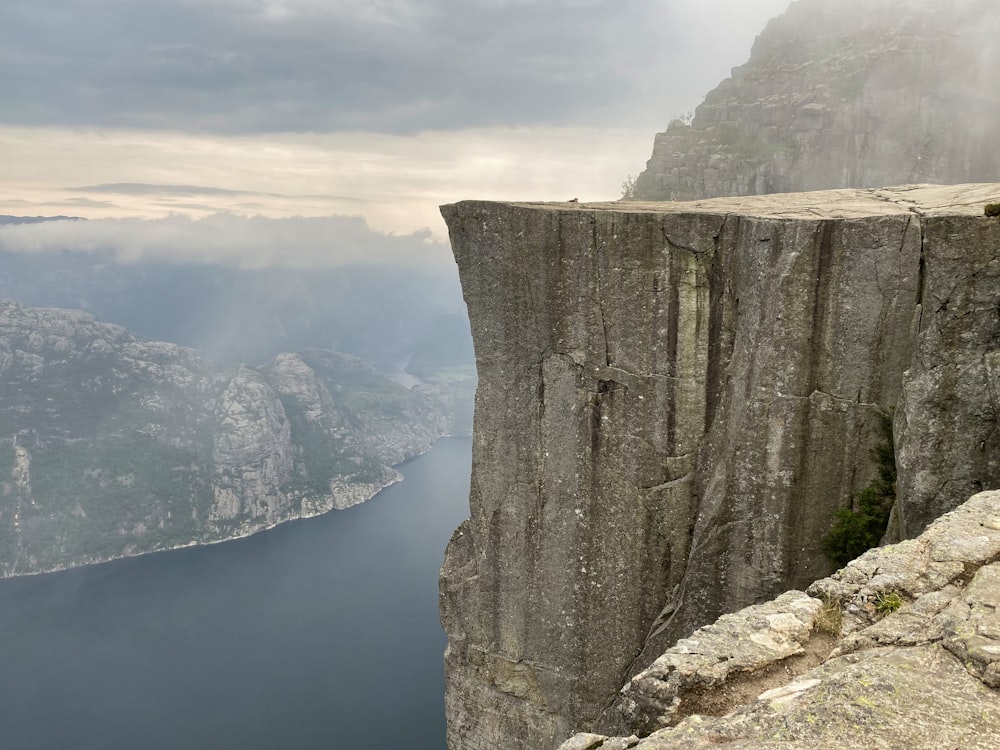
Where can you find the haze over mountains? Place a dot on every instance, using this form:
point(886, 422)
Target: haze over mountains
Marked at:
point(121, 440)
point(680, 400)
point(114, 445)
point(677, 400)
point(360, 304)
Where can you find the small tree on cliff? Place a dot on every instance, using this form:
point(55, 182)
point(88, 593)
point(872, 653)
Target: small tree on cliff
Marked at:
point(861, 527)
point(628, 188)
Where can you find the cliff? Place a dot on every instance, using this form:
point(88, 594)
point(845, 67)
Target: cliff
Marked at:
point(844, 93)
point(113, 445)
point(674, 400)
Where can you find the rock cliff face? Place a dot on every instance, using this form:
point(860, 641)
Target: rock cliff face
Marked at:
point(674, 399)
point(113, 445)
point(845, 93)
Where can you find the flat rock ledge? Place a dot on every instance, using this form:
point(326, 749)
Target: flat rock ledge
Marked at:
point(901, 648)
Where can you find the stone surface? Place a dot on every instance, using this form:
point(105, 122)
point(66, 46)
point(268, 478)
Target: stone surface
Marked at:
point(844, 93)
point(922, 676)
point(695, 670)
point(113, 445)
point(674, 399)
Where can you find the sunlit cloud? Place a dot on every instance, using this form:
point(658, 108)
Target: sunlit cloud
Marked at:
point(395, 182)
point(311, 108)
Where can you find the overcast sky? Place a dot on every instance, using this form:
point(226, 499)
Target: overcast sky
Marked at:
point(379, 109)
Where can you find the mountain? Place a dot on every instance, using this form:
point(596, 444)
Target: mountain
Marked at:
point(844, 93)
point(4, 219)
point(676, 403)
point(115, 445)
point(679, 400)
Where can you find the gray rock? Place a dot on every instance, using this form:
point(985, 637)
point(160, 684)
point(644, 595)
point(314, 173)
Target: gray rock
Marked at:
point(708, 667)
point(918, 676)
point(674, 399)
point(887, 698)
point(853, 93)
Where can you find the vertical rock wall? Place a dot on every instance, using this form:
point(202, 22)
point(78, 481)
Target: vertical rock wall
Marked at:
point(948, 437)
point(673, 401)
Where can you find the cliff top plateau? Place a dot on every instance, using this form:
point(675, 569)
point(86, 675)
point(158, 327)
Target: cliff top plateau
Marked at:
point(922, 200)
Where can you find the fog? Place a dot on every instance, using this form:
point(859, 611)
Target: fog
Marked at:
point(382, 110)
point(231, 240)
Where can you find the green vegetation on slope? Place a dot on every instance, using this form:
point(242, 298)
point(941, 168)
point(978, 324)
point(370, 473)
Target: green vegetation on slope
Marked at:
point(320, 456)
point(90, 496)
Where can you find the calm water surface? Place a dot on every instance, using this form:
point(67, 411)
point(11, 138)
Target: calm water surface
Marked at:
point(317, 634)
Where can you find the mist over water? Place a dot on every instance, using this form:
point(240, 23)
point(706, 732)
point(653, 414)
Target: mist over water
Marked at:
point(317, 634)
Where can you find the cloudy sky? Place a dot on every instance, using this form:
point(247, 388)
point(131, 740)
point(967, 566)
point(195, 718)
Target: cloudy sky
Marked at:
point(176, 110)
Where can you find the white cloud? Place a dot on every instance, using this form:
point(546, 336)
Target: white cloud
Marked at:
point(229, 240)
point(393, 66)
point(395, 182)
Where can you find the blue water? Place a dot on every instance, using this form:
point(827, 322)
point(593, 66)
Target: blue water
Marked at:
point(320, 633)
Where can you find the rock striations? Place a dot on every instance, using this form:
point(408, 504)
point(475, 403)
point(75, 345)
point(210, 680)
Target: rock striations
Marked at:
point(674, 399)
point(114, 445)
point(844, 93)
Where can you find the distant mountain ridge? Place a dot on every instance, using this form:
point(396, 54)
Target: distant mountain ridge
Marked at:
point(113, 445)
point(5, 219)
point(844, 94)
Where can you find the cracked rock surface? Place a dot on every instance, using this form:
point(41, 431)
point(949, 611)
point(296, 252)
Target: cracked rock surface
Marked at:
point(925, 675)
point(674, 400)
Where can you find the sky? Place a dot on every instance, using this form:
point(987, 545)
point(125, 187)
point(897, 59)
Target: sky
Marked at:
point(177, 116)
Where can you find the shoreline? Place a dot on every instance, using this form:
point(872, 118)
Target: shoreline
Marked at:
point(398, 478)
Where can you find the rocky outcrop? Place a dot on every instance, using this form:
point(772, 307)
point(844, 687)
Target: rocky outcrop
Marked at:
point(674, 399)
point(899, 649)
point(844, 93)
point(113, 445)
point(251, 452)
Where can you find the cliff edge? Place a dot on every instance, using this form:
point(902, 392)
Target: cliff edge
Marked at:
point(674, 400)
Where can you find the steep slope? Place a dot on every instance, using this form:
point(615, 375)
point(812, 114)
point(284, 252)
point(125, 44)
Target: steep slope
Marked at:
point(844, 93)
point(674, 400)
point(114, 445)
